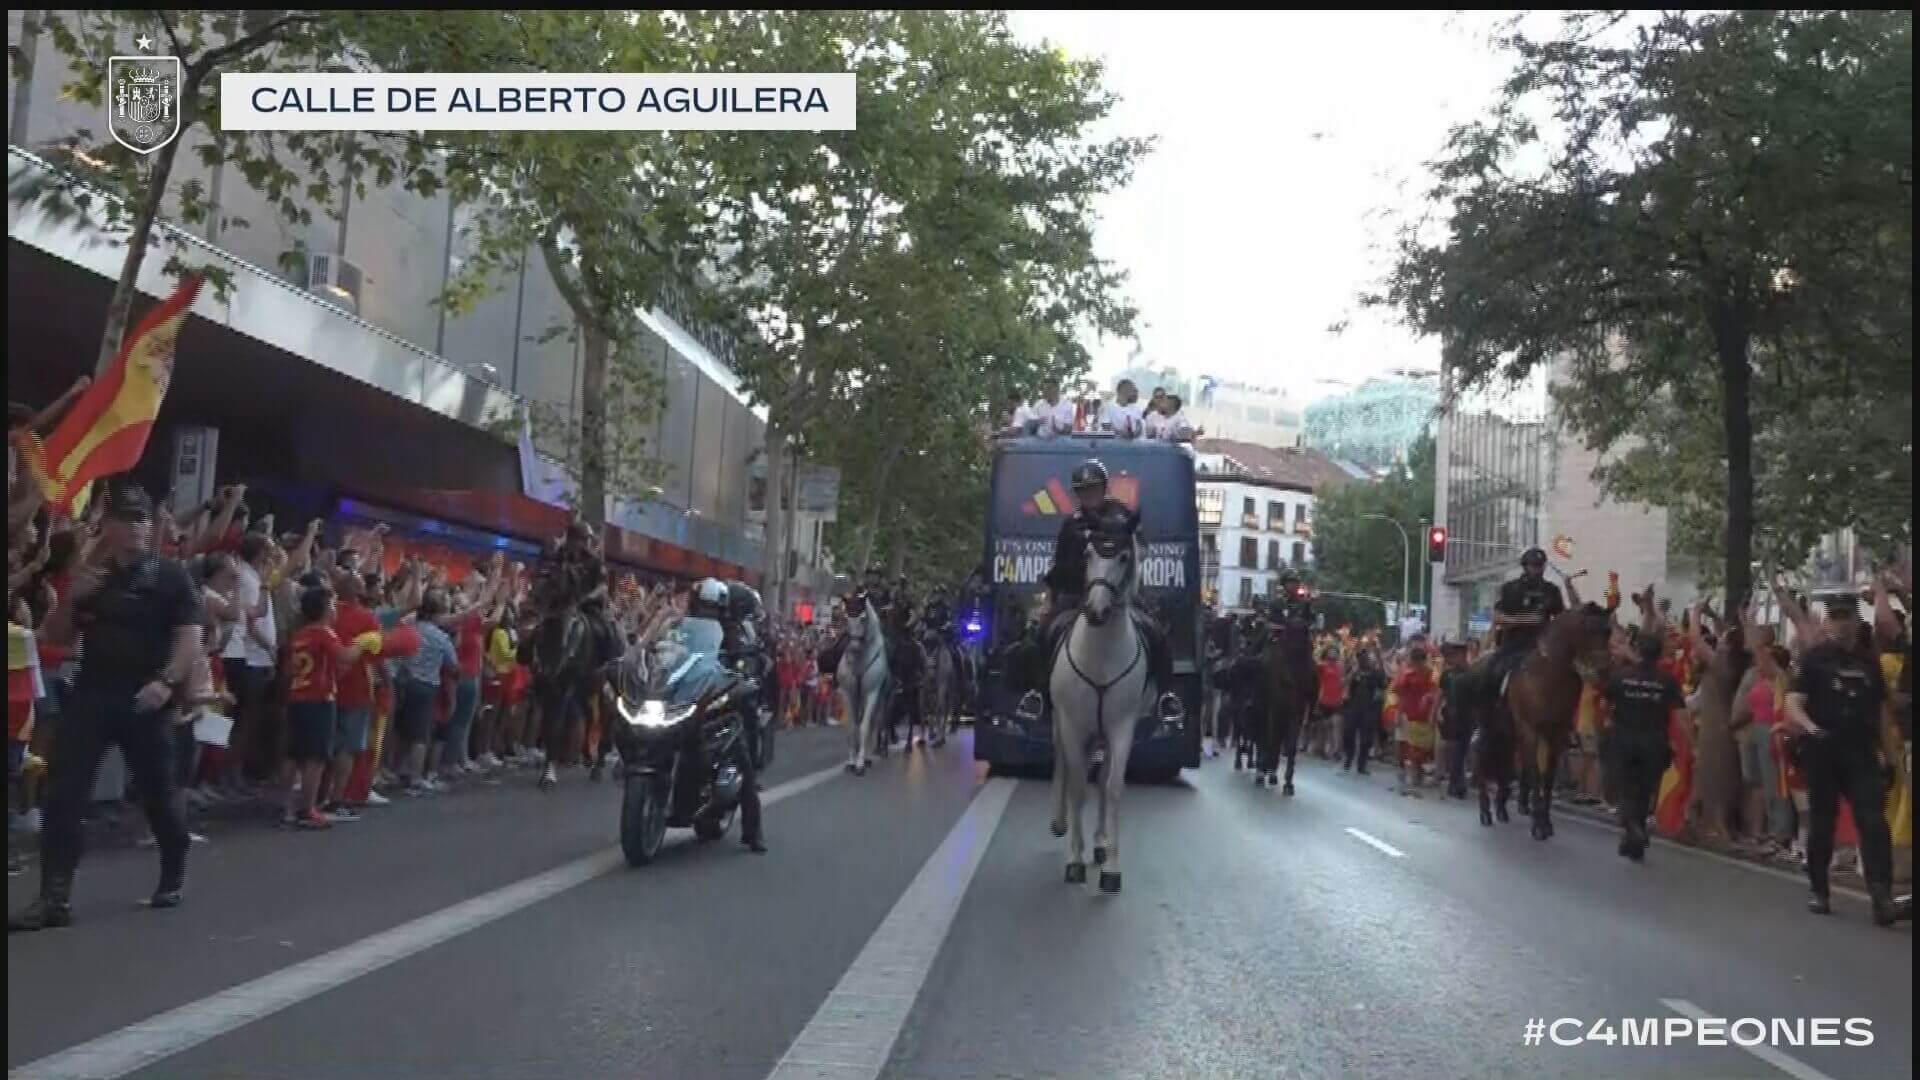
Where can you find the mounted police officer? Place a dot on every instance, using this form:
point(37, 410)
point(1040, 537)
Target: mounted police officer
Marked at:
point(1521, 614)
point(1096, 513)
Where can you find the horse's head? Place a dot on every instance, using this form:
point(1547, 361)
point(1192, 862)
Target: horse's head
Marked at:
point(859, 613)
point(1584, 636)
point(1113, 560)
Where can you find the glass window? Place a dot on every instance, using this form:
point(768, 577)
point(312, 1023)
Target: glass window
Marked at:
point(1249, 553)
point(1273, 554)
point(1276, 515)
point(1299, 553)
point(1246, 592)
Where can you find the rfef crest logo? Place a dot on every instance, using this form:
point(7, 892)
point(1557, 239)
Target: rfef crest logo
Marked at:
point(1054, 500)
point(143, 101)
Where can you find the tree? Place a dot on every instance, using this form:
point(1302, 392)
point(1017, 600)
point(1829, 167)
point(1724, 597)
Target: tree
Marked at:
point(614, 216)
point(1723, 228)
point(1355, 553)
point(104, 185)
point(959, 126)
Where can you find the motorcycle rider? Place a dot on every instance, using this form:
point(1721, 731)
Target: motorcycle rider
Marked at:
point(696, 646)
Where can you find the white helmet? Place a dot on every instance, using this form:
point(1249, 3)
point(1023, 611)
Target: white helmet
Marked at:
point(709, 600)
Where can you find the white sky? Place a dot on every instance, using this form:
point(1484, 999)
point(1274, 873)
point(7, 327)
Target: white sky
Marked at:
point(1283, 139)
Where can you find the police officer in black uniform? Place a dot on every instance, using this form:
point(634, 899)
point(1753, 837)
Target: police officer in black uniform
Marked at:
point(1834, 703)
point(1096, 513)
point(1525, 606)
point(140, 617)
point(1642, 697)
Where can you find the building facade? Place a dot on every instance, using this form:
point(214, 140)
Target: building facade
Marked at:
point(1375, 424)
point(332, 326)
point(1510, 475)
point(1243, 412)
point(1256, 517)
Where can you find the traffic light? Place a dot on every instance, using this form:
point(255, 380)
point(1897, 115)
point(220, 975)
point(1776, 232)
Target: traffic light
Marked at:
point(1437, 544)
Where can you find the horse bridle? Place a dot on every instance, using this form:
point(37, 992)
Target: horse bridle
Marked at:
point(1120, 590)
point(1139, 649)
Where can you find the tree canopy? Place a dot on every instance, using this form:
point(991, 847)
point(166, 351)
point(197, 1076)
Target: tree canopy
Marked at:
point(1713, 256)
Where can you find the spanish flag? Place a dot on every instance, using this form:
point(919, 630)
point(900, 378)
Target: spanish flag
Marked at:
point(1676, 786)
point(106, 430)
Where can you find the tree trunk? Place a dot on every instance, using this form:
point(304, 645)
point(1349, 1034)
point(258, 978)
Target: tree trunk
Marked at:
point(122, 302)
point(23, 77)
point(1733, 342)
point(774, 563)
point(882, 482)
point(593, 424)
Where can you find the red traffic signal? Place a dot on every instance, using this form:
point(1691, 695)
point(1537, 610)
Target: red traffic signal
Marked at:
point(1437, 544)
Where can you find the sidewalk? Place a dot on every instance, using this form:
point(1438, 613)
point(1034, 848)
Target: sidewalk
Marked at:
point(120, 825)
point(1386, 776)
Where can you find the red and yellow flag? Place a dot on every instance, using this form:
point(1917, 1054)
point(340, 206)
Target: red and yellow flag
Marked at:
point(106, 430)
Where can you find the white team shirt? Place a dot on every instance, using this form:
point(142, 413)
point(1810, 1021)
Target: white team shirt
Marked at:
point(1178, 428)
point(1123, 420)
point(1154, 425)
point(1058, 418)
point(1023, 418)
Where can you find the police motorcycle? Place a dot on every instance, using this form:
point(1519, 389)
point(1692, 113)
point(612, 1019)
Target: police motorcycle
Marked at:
point(680, 722)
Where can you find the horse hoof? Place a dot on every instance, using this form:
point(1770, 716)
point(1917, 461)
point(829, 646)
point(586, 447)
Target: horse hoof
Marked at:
point(1287, 790)
point(1099, 855)
point(1059, 828)
point(1539, 831)
point(1501, 813)
point(1077, 873)
point(860, 769)
point(1109, 881)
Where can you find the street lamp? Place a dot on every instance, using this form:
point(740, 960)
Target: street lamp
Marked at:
point(1406, 557)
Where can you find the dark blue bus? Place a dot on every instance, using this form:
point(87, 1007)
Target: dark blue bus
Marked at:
point(1030, 498)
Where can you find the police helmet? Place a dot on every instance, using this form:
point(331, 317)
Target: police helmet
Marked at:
point(743, 603)
point(1534, 557)
point(1089, 474)
point(709, 599)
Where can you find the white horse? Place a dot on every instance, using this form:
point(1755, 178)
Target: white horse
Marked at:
point(862, 677)
point(1099, 685)
point(942, 695)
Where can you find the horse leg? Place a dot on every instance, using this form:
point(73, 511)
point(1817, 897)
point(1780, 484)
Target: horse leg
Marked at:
point(1290, 744)
point(1059, 824)
point(855, 735)
point(1072, 758)
point(1112, 783)
point(1546, 763)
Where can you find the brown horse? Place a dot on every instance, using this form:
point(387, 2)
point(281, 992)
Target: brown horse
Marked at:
point(1543, 698)
point(1289, 684)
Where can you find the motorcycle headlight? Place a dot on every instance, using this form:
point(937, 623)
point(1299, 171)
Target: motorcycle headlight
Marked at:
point(653, 714)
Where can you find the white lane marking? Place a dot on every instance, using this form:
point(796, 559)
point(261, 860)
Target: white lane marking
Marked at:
point(1376, 843)
point(853, 1032)
point(137, 1046)
point(1781, 872)
point(1792, 1066)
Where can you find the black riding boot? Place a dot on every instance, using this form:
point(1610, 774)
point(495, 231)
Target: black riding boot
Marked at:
point(52, 908)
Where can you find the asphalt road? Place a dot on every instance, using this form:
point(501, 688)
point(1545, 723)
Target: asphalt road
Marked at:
point(914, 923)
